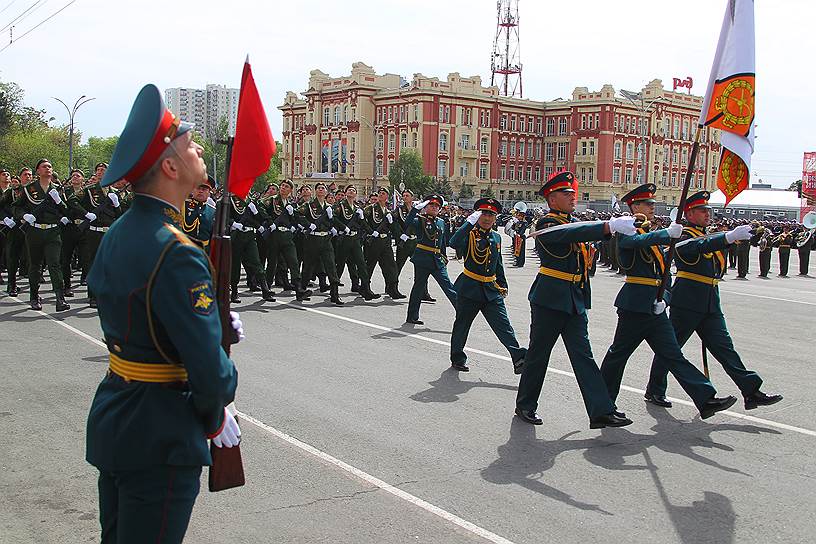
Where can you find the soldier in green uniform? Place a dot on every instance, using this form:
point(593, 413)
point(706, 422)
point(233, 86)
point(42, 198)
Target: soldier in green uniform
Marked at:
point(350, 246)
point(198, 215)
point(559, 299)
point(14, 245)
point(5, 182)
point(245, 217)
point(71, 235)
point(785, 243)
point(429, 257)
point(696, 303)
point(641, 317)
point(378, 244)
point(482, 285)
point(43, 208)
point(164, 394)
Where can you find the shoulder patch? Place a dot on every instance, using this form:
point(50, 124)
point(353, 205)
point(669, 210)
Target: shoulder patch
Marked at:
point(202, 298)
point(180, 236)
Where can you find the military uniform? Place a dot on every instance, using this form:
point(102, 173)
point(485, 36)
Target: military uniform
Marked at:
point(481, 287)
point(280, 243)
point(71, 240)
point(517, 230)
point(378, 249)
point(14, 243)
point(244, 224)
point(169, 379)
point(350, 248)
point(198, 219)
point(406, 246)
point(743, 250)
point(804, 243)
point(96, 200)
point(319, 220)
point(765, 254)
point(785, 243)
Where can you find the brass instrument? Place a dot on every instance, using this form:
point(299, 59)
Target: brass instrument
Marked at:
point(809, 222)
point(766, 238)
point(641, 222)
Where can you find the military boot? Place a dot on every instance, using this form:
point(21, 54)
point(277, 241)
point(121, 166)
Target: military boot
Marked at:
point(324, 284)
point(34, 299)
point(366, 292)
point(61, 304)
point(234, 294)
point(266, 294)
point(335, 295)
point(68, 292)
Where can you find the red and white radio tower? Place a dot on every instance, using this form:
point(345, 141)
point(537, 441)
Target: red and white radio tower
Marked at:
point(505, 64)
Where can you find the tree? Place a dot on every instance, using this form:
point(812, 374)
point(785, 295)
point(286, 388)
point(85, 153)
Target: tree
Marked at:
point(796, 186)
point(408, 170)
point(488, 193)
point(465, 191)
point(442, 187)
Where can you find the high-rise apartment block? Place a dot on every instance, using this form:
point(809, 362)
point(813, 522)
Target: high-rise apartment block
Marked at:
point(205, 107)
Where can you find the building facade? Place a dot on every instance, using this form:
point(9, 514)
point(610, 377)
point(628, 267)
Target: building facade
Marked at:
point(354, 128)
point(205, 107)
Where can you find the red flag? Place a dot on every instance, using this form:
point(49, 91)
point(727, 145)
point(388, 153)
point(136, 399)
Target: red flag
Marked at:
point(254, 145)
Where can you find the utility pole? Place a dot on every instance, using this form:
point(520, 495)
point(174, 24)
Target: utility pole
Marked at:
point(81, 101)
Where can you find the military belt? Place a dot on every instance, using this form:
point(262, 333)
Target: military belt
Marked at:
point(428, 248)
point(146, 372)
point(784, 246)
point(98, 229)
point(381, 235)
point(478, 277)
point(654, 282)
point(78, 221)
point(283, 229)
point(559, 274)
point(247, 229)
point(412, 236)
point(697, 277)
point(319, 233)
point(352, 233)
point(44, 226)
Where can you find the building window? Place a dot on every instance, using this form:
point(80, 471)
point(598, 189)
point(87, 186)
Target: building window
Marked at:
point(615, 123)
point(416, 112)
point(483, 171)
point(562, 151)
point(403, 140)
point(523, 123)
point(442, 168)
point(465, 143)
point(583, 121)
point(379, 167)
point(529, 176)
point(503, 122)
point(674, 156)
point(503, 172)
point(684, 156)
point(487, 119)
point(297, 146)
point(686, 129)
point(503, 148)
point(630, 151)
point(616, 175)
point(538, 173)
point(392, 141)
point(380, 142)
point(483, 146)
point(463, 169)
point(467, 117)
point(548, 170)
point(592, 147)
point(443, 141)
point(548, 151)
point(538, 151)
point(513, 123)
point(628, 175)
point(447, 114)
point(538, 125)
point(512, 148)
point(584, 148)
point(591, 175)
point(521, 148)
point(414, 139)
point(562, 126)
point(676, 129)
point(550, 127)
point(617, 152)
point(326, 114)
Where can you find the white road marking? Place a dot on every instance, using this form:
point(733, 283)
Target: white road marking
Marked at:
point(770, 298)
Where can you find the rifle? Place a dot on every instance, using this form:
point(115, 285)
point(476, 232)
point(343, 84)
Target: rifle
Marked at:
point(227, 468)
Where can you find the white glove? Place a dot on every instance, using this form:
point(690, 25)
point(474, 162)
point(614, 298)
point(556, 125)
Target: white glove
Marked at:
point(389, 217)
point(90, 216)
point(54, 194)
point(420, 205)
point(253, 208)
point(290, 210)
point(742, 232)
point(237, 325)
point(312, 227)
point(9, 222)
point(230, 434)
point(64, 220)
point(114, 199)
point(623, 225)
point(659, 307)
point(333, 231)
point(273, 227)
point(472, 218)
point(347, 230)
point(261, 229)
point(30, 219)
point(210, 202)
point(404, 237)
point(329, 212)
point(360, 213)
point(237, 226)
point(675, 230)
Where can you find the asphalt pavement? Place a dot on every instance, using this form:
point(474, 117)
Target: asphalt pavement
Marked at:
point(356, 430)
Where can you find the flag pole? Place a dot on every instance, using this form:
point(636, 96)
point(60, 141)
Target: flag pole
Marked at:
point(680, 211)
point(221, 256)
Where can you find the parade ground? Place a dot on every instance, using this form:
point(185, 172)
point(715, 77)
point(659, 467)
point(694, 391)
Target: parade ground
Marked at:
point(356, 429)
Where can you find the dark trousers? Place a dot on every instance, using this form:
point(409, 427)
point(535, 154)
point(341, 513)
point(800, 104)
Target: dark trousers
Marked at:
point(350, 252)
point(71, 238)
point(421, 287)
point(743, 259)
point(378, 252)
point(713, 332)
point(319, 258)
point(280, 250)
point(732, 256)
point(43, 245)
point(632, 329)
point(14, 252)
point(404, 252)
point(545, 328)
point(765, 262)
point(495, 314)
point(522, 253)
point(784, 260)
point(804, 260)
point(244, 251)
point(148, 505)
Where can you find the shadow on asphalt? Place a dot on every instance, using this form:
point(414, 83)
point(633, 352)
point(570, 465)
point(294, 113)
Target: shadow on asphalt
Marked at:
point(449, 387)
point(406, 329)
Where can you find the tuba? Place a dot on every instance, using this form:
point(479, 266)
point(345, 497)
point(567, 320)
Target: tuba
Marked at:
point(809, 222)
point(765, 240)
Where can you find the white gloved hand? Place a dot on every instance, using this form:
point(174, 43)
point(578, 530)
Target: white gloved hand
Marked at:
point(54, 194)
point(675, 230)
point(333, 231)
point(742, 232)
point(30, 219)
point(404, 237)
point(237, 226)
point(230, 434)
point(347, 230)
point(273, 227)
point(659, 307)
point(253, 208)
point(623, 225)
point(360, 213)
point(237, 325)
point(261, 229)
point(312, 227)
point(329, 212)
point(114, 199)
point(420, 205)
point(90, 216)
point(290, 210)
point(472, 218)
point(64, 220)
point(210, 201)
point(389, 217)
point(9, 222)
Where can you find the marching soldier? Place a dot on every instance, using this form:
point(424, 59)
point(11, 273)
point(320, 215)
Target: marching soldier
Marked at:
point(785, 243)
point(429, 257)
point(350, 246)
point(559, 299)
point(245, 217)
point(43, 208)
point(71, 235)
point(198, 215)
point(641, 318)
point(696, 304)
point(280, 240)
point(516, 228)
point(743, 251)
point(169, 380)
point(318, 219)
point(804, 243)
point(378, 245)
point(482, 285)
point(14, 249)
point(5, 182)
point(407, 239)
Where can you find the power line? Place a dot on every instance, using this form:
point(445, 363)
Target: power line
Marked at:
point(38, 25)
point(8, 5)
point(32, 6)
point(30, 13)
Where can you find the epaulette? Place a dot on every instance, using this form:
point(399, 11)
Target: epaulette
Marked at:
point(180, 236)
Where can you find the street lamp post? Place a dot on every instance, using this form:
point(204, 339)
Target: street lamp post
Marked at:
point(642, 107)
point(81, 101)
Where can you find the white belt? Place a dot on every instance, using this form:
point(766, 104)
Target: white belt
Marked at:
point(283, 229)
point(319, 233)
point(247, 229)
point(99, 229)
point(381, 235)
point(44, 226)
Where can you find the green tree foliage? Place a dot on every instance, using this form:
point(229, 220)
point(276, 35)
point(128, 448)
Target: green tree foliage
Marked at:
point(407, 169)
point(465, 191)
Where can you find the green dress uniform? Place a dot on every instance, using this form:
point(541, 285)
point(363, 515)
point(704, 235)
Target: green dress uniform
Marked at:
point(405, 248)
point(350, 248)
point(14, 244)
point(785, 243)
point(428, 258)
point(378, 249)
point(42, 239)
point(169, 378)
point(319, 220)
point(280, 241)
point(244, 224)
point(700, 261)
point(481, 287)
point(95, 199)
point(71, 240)
point(198, 220)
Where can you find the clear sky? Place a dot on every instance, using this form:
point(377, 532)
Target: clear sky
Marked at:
point(108, 49)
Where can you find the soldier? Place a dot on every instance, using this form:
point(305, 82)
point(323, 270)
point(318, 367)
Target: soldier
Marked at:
point(804, 243)
point(163, 394)
point(318, 219)
point(482, 286)
point(198, 215)
point(5, 182)
point(696, 304)
point(378, 245)
point(429, 258)
point(280, 237)
point(350, 246)
point(785, 242)
point(14, 249)
point(516, 229)
point(743, 251)
point(641, 317)
point(43, 208)
point(559, 299)
point(765, 243)
point(245, 217)
point(71, 235)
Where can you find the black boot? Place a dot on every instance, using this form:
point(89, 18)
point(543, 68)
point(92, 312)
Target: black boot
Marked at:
point(67, 291)
point(253, 285)
point(266, 294)
point(12, 286)
point(393, 292)
point(234, 295)
point(289, 286)
point(301, 290)
point(35, 300)
point(324, 284)
point(335, 295)
point(355, 285)
point(61, 304)
point(366, 292)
